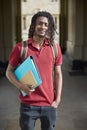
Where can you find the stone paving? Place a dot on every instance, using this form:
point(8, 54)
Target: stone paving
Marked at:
point(72, 112)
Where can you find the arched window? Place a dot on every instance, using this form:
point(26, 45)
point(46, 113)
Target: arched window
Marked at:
point(24, 0)
point(24, 23)
point(55, 19)
point(54, 0)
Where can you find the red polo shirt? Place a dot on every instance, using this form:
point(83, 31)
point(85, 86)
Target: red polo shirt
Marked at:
point(44, 94)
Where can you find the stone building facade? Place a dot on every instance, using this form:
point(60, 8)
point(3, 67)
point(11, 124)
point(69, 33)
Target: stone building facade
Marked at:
point(30, 7)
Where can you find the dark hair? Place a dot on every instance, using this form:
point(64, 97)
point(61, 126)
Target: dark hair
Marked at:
point(51, 28)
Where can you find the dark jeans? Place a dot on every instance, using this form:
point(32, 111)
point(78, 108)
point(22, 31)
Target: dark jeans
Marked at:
point(29, 115)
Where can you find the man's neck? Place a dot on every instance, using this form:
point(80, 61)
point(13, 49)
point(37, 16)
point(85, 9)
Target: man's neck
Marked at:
point(38, 41)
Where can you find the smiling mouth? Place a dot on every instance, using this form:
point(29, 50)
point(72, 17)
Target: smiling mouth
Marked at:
point(42, 31)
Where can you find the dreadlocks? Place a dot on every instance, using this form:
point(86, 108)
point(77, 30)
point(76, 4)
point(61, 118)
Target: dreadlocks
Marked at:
point(51, 29)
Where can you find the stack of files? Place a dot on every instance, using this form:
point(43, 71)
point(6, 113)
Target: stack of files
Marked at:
point(27, 73)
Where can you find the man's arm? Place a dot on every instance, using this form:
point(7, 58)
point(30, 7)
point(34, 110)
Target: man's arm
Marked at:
point(57, 85)
point(11, 77)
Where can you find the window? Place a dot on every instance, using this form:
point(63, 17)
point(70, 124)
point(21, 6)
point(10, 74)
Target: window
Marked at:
point(24, 0)
point(55, 19)
point(54, 0)
point(24, 23)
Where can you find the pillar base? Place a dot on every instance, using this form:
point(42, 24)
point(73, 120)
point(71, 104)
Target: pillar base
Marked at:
point(78, 68)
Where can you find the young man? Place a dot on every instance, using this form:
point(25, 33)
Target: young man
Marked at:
point(41, 102)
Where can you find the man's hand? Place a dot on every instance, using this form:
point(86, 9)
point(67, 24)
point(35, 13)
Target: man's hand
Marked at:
point(55, 104)
point(27, 89)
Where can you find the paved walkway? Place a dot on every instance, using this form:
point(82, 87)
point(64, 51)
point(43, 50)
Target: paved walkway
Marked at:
point(72, 111)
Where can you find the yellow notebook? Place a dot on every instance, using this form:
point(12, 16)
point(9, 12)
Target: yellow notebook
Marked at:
point(28, 79)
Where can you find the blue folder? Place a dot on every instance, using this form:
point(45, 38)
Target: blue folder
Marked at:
point(28, 74)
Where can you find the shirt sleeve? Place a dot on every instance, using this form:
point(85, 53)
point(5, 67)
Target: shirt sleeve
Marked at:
point(14, 58)
point(58, 59)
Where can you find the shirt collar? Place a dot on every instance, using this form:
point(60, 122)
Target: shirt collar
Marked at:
point(46, 41)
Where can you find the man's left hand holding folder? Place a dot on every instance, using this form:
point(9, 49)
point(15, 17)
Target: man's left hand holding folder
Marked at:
point(27, 88)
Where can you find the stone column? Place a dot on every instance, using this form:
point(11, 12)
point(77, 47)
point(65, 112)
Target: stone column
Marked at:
point(75, 40)
point(63, 24)
point(7, 28)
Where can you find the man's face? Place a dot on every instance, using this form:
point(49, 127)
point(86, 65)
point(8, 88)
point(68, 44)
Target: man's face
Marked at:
point(41, 26)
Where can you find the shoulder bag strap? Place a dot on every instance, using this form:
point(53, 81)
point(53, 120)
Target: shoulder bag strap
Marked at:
point(54, 51)
point(24, 50)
